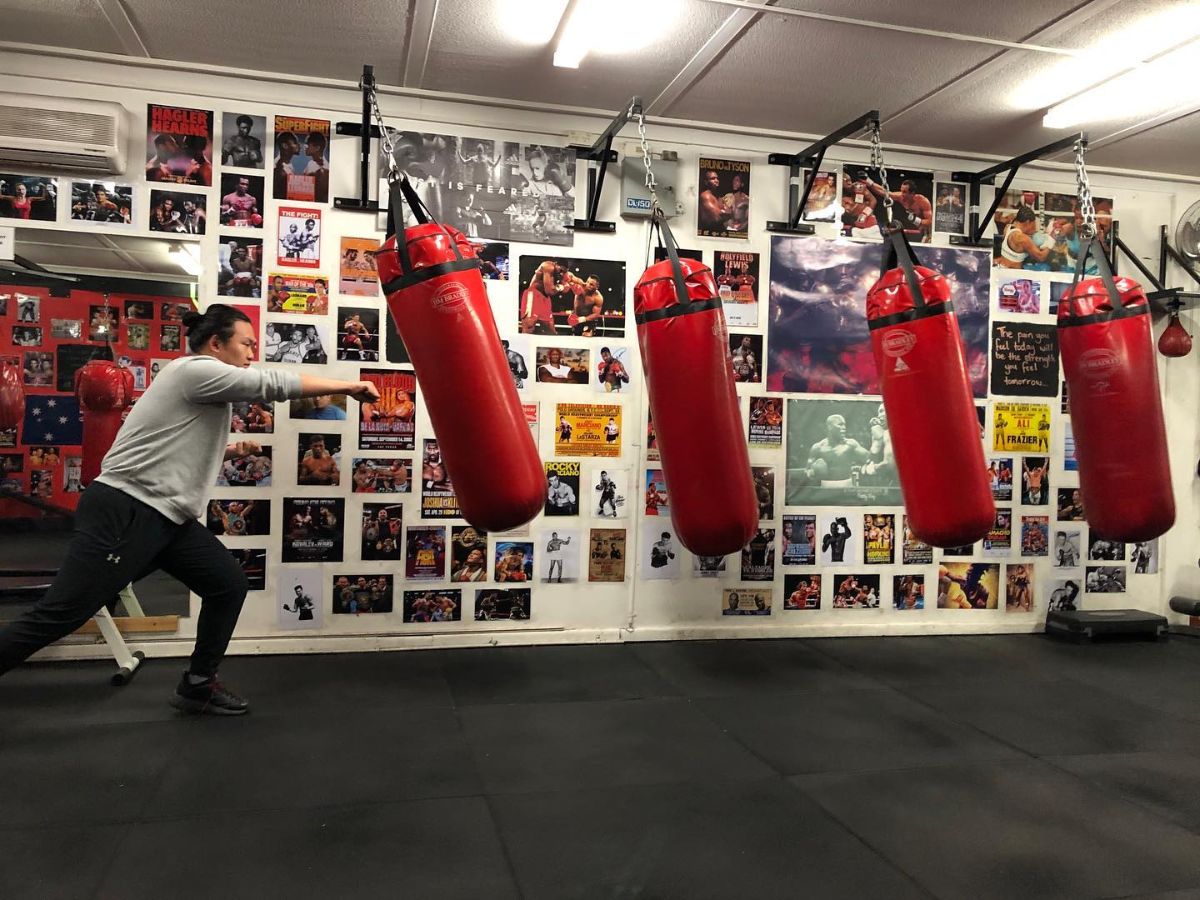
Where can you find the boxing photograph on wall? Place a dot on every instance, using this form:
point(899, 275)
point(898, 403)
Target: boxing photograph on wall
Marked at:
point(746, 357)
point(289, 292)
point(488, 188)
point(915, 551)
point(359, 594)
point(746, 602)
point(300, 599)
point(817, 325)
point(301, 164)
point(562, 487)
point(358, 333)
point(562, 365)
point(660, 552)
point(558, 561)
point(587, 429)
point(299, 241)
point(1020, 295)
point(950, 209)
point(908, 592)
point(1035, 535)
point(99, 202)
point(381, 532)
point(242, 200)
point(1105, 580)
point(425, 552)
point(606, 555)
point(513, 605)
point(823, 204)
point(799, 540)
point(879, 539)
point(30, 197)
point(839, 453)
point(356, 267)
point(1020, 427)
point(1041, 232)
point(242, 140)
point(179, 143)
point(737, 282)
point(863, 199)
point(438, 500)
point(968, 585)
point(855, 591)
point(252, 470)
point(613, 370)
point(609, 488)
point(709, 566)
point(296, 343)
point(319, 458)
point(758, 556)
point(468, 553)
point(494, 259)
point(723, 198)
point(313, 529)
point(766, 422)
point(432, 606)
point(177, 212)
point(568, 296)
point(236, 518)
point(802, 591)
point(253, 563)
point(239, 272)
point(381, 475)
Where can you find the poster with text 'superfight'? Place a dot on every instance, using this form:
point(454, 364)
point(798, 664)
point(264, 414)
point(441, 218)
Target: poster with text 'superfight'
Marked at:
point(301, 168)
point(488, 188)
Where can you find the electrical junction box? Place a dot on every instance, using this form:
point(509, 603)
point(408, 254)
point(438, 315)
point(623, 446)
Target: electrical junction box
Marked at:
point(635, 196)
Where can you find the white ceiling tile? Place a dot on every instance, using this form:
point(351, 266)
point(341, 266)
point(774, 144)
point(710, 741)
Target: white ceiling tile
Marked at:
point(78, 24)
point(1008, 21)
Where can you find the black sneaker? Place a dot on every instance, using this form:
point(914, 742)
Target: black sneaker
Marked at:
point(210, 697)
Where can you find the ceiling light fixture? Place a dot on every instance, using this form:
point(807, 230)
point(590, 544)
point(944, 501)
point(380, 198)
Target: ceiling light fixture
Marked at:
point(609, 27)
point(187, 257)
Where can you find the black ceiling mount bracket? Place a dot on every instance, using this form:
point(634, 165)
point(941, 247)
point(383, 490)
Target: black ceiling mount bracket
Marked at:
point(364, 131)
point(810, 158)
point(601, 151)
point(1162, 298)
point(977, 226)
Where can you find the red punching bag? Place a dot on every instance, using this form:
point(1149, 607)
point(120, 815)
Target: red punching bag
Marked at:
point(697, 418)
point(1116, 411)
point(439, 303)
point(1174, 341)
point(927, 396)
point(12, 397)
point(104, 391)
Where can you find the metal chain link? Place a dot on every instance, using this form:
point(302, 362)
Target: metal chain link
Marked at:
point(651, 184)
point(385, 136)
point(877, 163)
point(1083, 191)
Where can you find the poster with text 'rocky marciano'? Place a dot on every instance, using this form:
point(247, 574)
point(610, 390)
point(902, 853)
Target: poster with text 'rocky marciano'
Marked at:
point(486, 187)
point(817, 333)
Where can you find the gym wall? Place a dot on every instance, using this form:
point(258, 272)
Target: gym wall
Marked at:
point(640, 606)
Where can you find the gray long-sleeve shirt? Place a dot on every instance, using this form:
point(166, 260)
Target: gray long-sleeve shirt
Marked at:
point(171, 445)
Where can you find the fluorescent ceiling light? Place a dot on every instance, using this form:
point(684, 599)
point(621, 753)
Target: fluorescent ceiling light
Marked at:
point(612, 27)
point(1151, 88)
point(187, 257)
point(530, 22)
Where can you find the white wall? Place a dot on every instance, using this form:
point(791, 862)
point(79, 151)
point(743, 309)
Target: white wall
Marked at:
point(687, 607)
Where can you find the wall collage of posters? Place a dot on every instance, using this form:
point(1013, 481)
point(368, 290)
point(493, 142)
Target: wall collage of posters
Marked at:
point(832, 535)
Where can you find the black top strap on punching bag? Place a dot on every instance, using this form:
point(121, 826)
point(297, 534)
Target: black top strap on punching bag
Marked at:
point(899, 253)
point(1092, 247)
point(401, 193)
point(684, 304)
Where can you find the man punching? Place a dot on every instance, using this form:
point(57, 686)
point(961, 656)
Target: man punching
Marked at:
point(587, 310)
point(914, 212)
point(537, 310)
point(141, 514)
point(858, 207)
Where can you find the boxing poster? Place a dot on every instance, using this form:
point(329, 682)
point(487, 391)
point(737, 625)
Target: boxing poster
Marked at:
point(587, 429)
point(236, 518)
point(299, 237)
point(486, 187)
point(558, 559)
point(823, 204)
point(998, 540)
point(179, 145)
point(908, 592)
point(613, 370)
point(737, 284)
point(242, 140)
point(568, 296)
point(658, 500)
point(855, 591)
point(864, 199)
point(758, 556)
point(494, 259)
point(879, 539)
point(313, 529)
point(723, 204)
point(1018, 588)
point(513, 561)
point(97, 203)
point(766, 422)
point(300, 597)
point(177, 212)
point(1144, 556)
point(950, 212)
point(29, 197)
point(425, 552)
point(432, 606)
point(1020, 427)
point(746, 602)
point(746, 357)
point(319, 459)
point(800, 540)
point(708, 566)
point(468, 553)
point(239, 267)
point(1035, 535)
point(562, 365)
point(1105, 580)
point(916, 552)
point(1064, 594)
point(301, 167)
point(358, 276)
point(252, 417)
point(651, 438)
point(1035, 480)
point(513, 605)
point(1000, 477)
point(1020, 295)
point(438, 500)
point(358, 334)
point(609, 489)
point(660, 552)
point(1024, 359)
point(839, 453)
point(391, 475)
point(837, 540)
point(562, 488)
point(330, 407)
point(1040, 232)
point(817, 322)
point(1101, 549)
point(289, 292)
point(242, 200)
point(251, 470)
point(802, 591)
point(968, 585)
point(764, 490)
point(606, 555)
point(380, 532)
point(358, 594)
point(532, 413)
point(391, 422)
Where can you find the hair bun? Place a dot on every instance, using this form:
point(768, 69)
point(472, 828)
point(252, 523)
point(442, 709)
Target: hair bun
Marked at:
point(191, 319)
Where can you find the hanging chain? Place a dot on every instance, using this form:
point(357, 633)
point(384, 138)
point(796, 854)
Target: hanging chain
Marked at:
point(877, 163)
point(1083, 191)
point(385, 136)
point(651, 184)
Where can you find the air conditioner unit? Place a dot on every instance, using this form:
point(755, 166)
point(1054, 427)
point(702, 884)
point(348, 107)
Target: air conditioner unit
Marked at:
point(61, 134)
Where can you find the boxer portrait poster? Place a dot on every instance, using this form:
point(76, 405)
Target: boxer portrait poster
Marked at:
point(239, 271)
point(313, 529)
point(766, 422)
point(587, 429)
point(391, 422)
point(879, 539)
point(800, 540)
point(723, 203)
point(438, 500)
point(300, 599)
point(839, 453)
point(242, 200)
point(179, 145)
point(301, 165)
point(758, 556)
point(1020, 427)
point(822, 205)
point(660, 552)
point(950, 212)
point(562, 487)
point(568, 296)
point(358, 275)
point(100, 202)
point(737, 281)
point(817, 332)
point(242, 140)
point(1035, 535)
point(488, 188)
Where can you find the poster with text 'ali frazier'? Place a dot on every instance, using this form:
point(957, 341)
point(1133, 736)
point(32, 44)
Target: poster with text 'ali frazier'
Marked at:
point(723, 201)
point(390, 423)
point(489, 189)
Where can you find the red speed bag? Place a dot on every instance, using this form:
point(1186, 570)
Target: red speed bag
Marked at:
point(930, 411)
point(104, 391)
point(1116, 411)
point(439, 303)
point(12, 397)
point(697, 418)
point(1174, 341)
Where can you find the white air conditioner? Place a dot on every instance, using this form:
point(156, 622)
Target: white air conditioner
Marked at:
point(61, 134)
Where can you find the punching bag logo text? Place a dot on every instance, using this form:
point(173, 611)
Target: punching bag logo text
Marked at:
point(899, 342)
point(449, 297)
